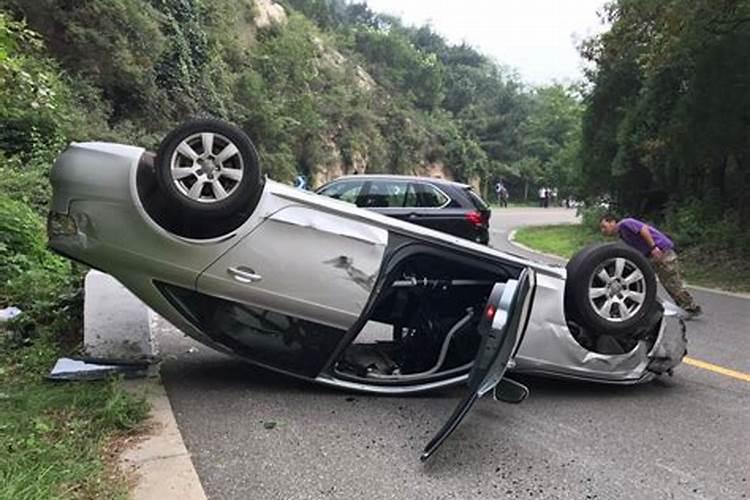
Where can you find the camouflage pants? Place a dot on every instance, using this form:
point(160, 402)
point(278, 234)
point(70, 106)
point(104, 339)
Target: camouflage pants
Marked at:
point(668, 270)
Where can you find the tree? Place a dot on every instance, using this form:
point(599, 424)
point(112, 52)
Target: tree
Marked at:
point(666, 121)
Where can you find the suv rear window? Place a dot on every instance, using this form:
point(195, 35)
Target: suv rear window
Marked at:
point(428, 196)
point(476, 200)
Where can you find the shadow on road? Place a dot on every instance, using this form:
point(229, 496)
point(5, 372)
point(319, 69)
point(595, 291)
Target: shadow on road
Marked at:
point(214, 372)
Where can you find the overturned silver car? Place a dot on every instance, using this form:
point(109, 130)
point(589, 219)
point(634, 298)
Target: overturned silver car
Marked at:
point(320, 289)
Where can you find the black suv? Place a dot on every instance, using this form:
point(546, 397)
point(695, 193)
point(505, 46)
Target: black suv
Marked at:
point(447, 206)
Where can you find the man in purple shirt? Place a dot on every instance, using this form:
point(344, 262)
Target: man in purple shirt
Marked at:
point(659, 248)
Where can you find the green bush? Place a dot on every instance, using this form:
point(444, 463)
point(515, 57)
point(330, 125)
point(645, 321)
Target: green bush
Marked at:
point(31, 278)
point(34, 100)
point(693, 224)
point(591, 216)
point(26, 182)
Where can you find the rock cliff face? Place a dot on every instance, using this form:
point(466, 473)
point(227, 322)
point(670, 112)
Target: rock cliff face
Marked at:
point(335, 168)
point(269, 12)
point(434, 169)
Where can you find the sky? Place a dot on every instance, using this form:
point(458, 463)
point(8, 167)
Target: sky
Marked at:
point(537, 38)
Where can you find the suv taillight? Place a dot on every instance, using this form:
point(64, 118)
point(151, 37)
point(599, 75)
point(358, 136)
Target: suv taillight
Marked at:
point(475, 218)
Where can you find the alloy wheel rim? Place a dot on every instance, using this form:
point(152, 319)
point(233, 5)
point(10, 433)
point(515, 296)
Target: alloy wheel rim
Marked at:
point(206, 167)
point(617, 289)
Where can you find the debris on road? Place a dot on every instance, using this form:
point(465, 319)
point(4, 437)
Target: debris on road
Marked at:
point(75, 369)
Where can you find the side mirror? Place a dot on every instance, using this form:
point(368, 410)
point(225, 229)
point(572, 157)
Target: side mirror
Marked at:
point(510, 391)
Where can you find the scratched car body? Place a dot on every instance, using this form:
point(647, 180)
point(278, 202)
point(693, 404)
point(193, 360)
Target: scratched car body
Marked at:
point(322, 290)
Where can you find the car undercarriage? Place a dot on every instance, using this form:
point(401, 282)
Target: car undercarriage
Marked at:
point(423, 323)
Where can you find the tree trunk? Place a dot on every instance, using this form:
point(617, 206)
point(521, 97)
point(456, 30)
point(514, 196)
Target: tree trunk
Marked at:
point(720, 177)
point(743, 207)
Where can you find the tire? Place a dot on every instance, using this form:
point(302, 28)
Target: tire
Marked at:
point(209, 168)
point(610, 290)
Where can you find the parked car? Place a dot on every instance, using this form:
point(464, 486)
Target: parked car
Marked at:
point(451, 207)
point(328, 292)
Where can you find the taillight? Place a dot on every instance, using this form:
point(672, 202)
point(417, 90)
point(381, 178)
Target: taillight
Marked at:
point(475, 218)
point(490, 312)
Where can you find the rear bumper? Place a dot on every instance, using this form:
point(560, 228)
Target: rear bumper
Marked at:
point(550, 349)
point(671, 344)
point(483, 236)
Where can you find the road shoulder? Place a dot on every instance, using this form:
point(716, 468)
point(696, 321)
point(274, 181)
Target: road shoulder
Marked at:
point(160, 464)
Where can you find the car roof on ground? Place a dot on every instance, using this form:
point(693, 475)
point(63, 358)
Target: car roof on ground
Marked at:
point(394, 177)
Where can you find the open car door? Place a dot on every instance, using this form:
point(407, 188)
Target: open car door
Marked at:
point(505, 317)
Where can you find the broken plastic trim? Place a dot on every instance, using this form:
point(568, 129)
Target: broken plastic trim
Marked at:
point(78, 370)
point(510, 391)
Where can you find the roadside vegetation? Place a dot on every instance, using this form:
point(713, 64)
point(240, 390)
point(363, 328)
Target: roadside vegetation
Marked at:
point(665, 131)
point(53, 437)
point(561, 239)
point(665, 135)
point(58, 440)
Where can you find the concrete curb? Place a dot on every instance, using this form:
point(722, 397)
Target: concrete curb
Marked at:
point(118, 326)
point(161, 463)
point(717, 291)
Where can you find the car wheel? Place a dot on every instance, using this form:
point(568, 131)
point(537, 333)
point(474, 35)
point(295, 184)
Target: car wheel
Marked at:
point(208, 167)
point(610, 290)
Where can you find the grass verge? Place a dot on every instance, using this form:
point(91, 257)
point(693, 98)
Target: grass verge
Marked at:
point(563, 240)
point(55, 437)
point(701, 267)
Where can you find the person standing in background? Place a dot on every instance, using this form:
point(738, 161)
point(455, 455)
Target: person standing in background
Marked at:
point(504, 195)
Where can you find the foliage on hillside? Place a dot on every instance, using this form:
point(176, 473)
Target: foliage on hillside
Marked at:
point(52, 436)
point(479, 118)
point(37, 113)
point(666, 128)
point(336, 84)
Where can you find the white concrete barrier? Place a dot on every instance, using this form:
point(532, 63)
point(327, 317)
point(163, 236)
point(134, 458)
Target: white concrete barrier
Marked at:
point(116, 324)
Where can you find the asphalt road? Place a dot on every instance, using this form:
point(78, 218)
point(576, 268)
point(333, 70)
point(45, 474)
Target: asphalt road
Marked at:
point(256, 435)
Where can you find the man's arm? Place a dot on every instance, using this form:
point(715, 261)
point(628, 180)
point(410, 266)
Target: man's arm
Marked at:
point(646, 235)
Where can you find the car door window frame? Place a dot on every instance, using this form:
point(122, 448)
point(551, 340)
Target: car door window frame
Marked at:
point(345, 185)
point(419, 205)
point(368, 188)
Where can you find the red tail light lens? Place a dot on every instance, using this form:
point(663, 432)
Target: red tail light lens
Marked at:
point(490, 312)
point(475, 218)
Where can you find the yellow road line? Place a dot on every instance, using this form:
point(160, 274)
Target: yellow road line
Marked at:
point(716, 368)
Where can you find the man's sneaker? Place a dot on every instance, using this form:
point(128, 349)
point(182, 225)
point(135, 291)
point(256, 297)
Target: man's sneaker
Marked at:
point(693, 312)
